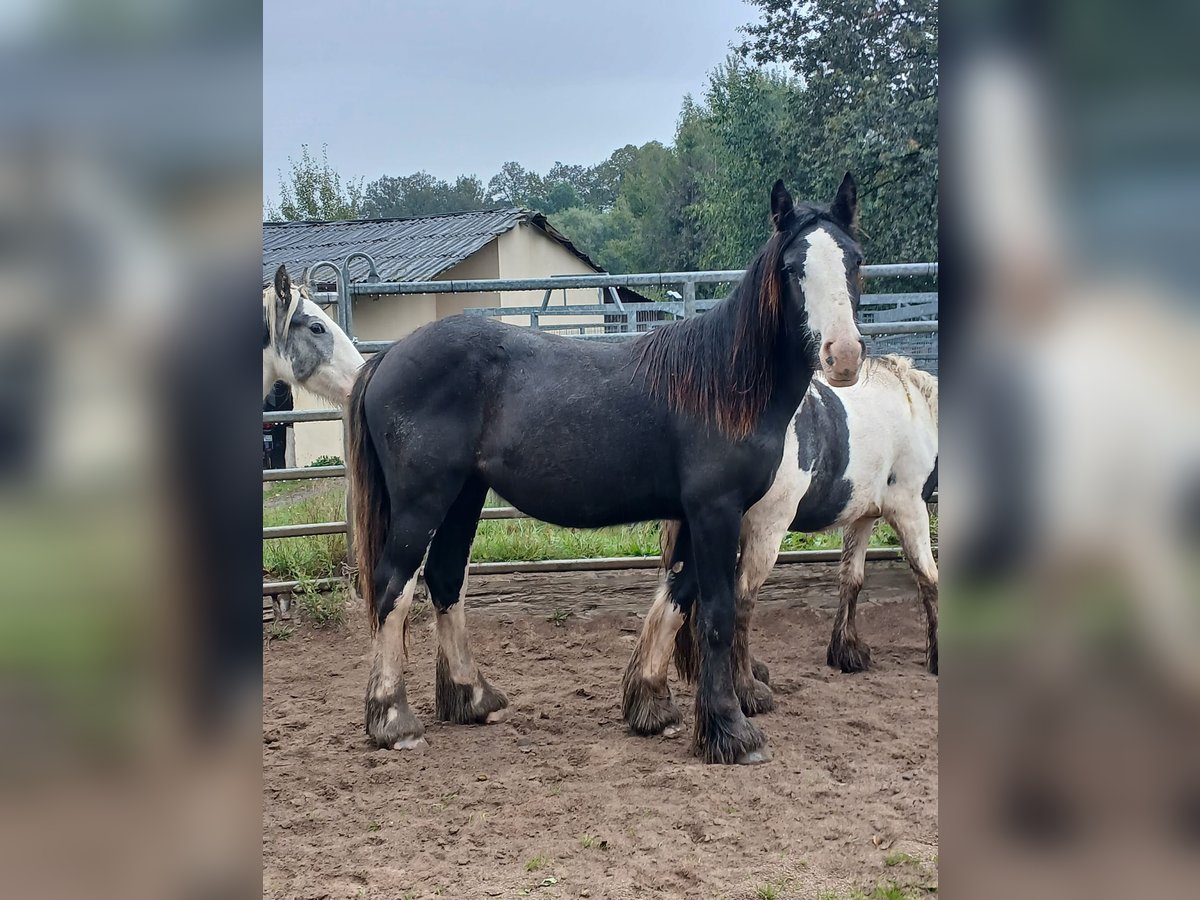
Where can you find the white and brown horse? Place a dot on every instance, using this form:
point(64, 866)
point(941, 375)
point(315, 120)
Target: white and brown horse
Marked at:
point(852, 455)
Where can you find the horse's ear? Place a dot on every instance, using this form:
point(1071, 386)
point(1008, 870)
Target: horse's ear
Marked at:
point(283, 285)
point(844, 208)
point(782, 208)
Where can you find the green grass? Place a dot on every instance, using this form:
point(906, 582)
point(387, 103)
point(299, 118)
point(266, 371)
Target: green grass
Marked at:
point(897, 858)
point(272, 490)
point(322, 608)
point(278, 631)
point(767, 892)
point(497, 540)
point(536, 863)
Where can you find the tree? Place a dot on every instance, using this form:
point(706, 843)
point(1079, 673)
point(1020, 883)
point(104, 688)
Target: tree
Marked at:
point(313, 190)
point(870, 75)
point(421, 194)
point(513, 185)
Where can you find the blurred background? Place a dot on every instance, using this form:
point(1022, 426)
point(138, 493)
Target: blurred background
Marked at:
point(130, 214)
point(130, 186)
point(1071, 478)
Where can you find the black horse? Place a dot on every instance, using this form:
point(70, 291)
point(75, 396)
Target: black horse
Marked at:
point(551, 424)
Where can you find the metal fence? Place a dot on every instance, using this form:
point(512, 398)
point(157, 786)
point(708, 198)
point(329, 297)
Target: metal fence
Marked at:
point(890, 323)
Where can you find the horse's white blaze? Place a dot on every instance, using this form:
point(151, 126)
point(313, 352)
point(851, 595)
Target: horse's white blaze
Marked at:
point(662, 622)
point(826, 292)
point(390, 644)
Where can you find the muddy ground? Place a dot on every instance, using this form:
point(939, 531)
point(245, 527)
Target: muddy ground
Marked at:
point(561, 801)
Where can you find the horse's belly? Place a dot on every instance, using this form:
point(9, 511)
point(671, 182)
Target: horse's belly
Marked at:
point(574, 482)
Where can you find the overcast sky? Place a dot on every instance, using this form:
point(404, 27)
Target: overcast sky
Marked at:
point(461, 87)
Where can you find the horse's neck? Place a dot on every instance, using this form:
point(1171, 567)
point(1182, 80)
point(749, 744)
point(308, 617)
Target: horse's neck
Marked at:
point(793, 367)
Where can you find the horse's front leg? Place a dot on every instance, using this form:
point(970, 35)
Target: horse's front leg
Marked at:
point(722, 733)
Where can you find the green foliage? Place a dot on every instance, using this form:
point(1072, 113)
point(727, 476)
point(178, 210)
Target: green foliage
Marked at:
point(869, 104)
point(421, 194)
point(325, 460)
point(313, 190)
point(323, 609)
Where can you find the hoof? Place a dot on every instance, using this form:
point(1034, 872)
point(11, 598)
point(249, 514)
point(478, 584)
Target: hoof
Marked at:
point(466, 704)
point(754, 757)
point(849, 655)
point(648, 708)
point(728, 740)
point(410, 743)
point(756, 699)
point(392, 725)
point(760, 670)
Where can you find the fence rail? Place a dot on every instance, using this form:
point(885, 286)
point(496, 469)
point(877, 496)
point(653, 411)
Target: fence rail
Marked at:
point(886, 305)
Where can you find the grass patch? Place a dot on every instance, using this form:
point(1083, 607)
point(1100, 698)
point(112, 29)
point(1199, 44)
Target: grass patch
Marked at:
point(497, 540)
point(887, 890)
point(279, 631)
point(536, 863)
point(298, 558)
point(587, 841)
point(323, 609)
point(897, 858)
point(767, 892)
point(559, 617)
point(273, 490)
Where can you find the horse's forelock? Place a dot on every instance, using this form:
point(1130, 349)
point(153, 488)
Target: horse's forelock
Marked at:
point(279, 331)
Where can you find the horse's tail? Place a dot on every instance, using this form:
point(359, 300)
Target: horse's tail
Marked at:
point(687, 646)
point(368, 492)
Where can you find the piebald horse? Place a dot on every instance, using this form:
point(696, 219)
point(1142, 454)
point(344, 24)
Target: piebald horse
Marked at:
point(303, 346)
point(550, 423)
point(852, 456)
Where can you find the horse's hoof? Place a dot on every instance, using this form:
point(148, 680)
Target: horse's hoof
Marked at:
point(760, 671)
point(465, 704)
point(410, 743)
point(671, 731)
point(648, 708)
point(393, 725)
point(498, 716)
point(728, 740)
point(754, 757)
point(849, 656)
point(756, 699)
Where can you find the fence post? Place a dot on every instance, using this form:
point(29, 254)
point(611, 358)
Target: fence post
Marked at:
point(689, 299)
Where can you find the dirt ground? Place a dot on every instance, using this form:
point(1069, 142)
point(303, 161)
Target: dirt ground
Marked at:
point(561, 801)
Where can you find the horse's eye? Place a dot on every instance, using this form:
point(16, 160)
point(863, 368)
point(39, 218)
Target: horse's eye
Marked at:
point(316, 328)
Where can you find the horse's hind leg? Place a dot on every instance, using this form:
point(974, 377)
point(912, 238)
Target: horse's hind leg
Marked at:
point(912, 527)
point(417, 509)
point(462, 695)
point(847, 651)
point(389, 720)
point(646, 701)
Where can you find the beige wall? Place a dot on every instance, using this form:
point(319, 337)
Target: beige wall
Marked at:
point(524, 252)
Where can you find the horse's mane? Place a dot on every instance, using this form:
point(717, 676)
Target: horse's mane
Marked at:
point(905, 371)
point(277, 330)
point(720, 366)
